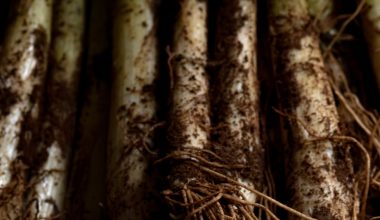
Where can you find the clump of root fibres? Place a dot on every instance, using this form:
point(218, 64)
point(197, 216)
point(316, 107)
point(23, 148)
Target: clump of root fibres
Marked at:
point(214, 194)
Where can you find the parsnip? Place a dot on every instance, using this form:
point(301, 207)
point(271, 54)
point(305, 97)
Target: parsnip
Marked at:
point(320, 169)
point(23, 63)
point(237, 93)
point(359, 123)
point(354, 119)
point(190, 108)
point(371, 27)
point(130, 183)
point(48, 190)
point(189, 114)
point(87, 176)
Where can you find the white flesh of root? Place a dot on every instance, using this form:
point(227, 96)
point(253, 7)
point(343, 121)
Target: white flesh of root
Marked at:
point(133, 110)
point(50, 188)
point(238, 90)
point(22, 68)
point(371, 26)
point(321, 182)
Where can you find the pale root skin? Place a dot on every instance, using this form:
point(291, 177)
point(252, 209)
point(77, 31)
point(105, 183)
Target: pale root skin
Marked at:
point(22, 72)
point(189, 125)
point(189, 122)
point(320, 9)
point(320, 175)
point(238, 91)
point(371, 26)
point(133, 111)
point(190, 84)
point(48, 192)
point(87, 176)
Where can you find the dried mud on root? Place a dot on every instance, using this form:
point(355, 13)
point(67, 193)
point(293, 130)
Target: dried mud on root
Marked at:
point(11, 195)
point(214, 195)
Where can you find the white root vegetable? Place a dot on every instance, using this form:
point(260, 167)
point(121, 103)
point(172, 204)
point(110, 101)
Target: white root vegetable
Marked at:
point(22, 72)
point(190, 86)
point(359, 123)
point(320, 168)
point(88, 173)
point(189, 126)
point(371, 27)
point(237, 98)
point(48, 189)
point(130, 182)
point(190, 109)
